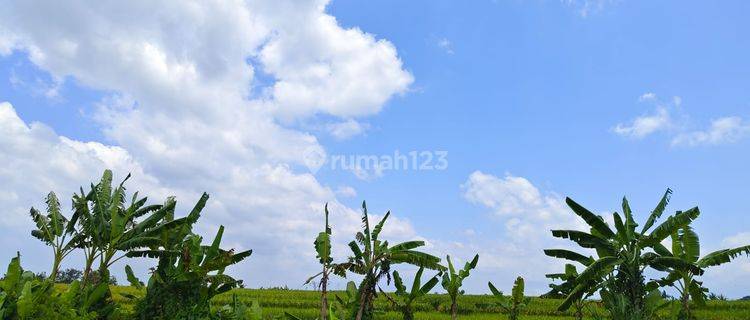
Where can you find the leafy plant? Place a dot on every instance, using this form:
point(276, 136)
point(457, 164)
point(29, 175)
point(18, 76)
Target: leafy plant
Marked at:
point(403, 300)
point(623, 254)
point(24, 296)
point(347, 302)
point(373, 258)
point(112, 227)
point(56, 231)
point(323, 248)
point(686, 247)
point(453, 281)
point(188, 274)
point(513, 304)
point(563, 289)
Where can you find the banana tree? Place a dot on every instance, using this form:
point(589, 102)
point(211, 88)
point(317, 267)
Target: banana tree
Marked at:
point(513, 304)
point(111, 228)
point(188, 274)
point(56, 231)
point(347, 302)
point(323, 248)
point(562, 290)
point(686, 247)
point(453, 281)
point(623, 254)
point(373, 258)
point(403, 299)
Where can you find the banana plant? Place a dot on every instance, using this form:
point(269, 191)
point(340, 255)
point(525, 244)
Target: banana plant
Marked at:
point(323, 248)
point(348, 302)
point(453, 281)
point(403, 299)
point(624, 253)
point(514, 304)
point(562, 290)
point(24, 296)
point(188, 273)
point(686, 247)
point(111, 228)
point(373, 258)
point(56, 231)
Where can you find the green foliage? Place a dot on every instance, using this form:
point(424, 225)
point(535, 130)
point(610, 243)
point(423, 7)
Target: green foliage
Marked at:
point(452, 281)
point(322, 245)
point(56, 231)
point(188, 274)
point(24, 296)
point(69, 275)
point(515, 303)
point(623, 254)
point(683, 276)
point(404, 300)
point(373, 258)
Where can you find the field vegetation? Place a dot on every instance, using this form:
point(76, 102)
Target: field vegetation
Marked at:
point(188, 279)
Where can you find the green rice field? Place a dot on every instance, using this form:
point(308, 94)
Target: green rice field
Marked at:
point(304, 304)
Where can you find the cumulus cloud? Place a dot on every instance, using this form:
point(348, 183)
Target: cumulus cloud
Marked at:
point(182, 112)
point(518, 201)
point(722, 130)
point(526, 214)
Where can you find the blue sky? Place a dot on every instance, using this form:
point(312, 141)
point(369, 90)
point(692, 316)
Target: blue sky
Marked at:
point(532, 100)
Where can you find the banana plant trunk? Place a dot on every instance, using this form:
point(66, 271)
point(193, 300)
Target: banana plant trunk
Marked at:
point(87, 269)
point(454, 309)
point(365, 307)
point(408, 313)
point(685, 313)
point(55, 268)
point(324, 295)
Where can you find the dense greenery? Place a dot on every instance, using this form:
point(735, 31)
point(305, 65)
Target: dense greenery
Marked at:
point(624, 253)
point(189, 282)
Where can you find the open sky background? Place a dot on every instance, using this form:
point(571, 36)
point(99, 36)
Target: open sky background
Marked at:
point(533, 100)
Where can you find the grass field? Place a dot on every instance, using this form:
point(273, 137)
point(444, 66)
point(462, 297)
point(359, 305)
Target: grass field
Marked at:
point(304, 304)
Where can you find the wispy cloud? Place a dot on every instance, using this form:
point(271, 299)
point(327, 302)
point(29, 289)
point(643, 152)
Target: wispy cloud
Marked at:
point(588, 7)
point(723, 130)
point(658, 120)
point(446, 45)
point(664, 118)
point(346, 129)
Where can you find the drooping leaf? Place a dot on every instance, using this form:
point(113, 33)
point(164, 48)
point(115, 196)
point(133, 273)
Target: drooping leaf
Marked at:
point(591, 219)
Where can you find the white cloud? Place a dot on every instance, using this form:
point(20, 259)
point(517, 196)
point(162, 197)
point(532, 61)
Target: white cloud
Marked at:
point(446, 45)
point(737, 240)
point(527, 216)
point(346, 191)
point(663, 119)
point(658, 120)
point(519, 201)
point(648, 96)
point(645, 125)
point(184, 117)
point(346, 129)
point(722, 131)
